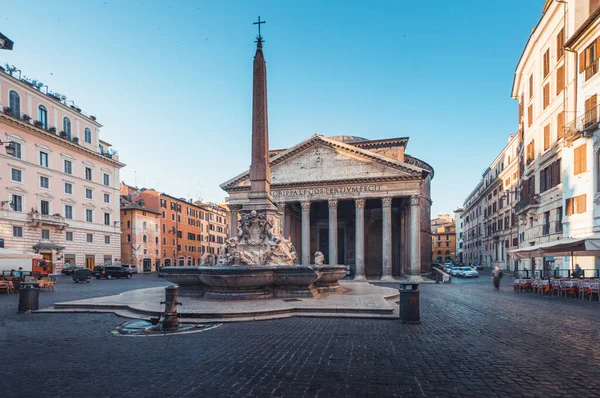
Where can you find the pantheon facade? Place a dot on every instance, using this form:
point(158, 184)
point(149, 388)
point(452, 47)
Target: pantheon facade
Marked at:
point(362, 203)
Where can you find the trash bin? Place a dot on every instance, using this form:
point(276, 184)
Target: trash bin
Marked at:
point(29, 298)
point(409, 302)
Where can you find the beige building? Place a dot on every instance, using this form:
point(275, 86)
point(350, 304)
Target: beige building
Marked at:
point(59, 190)
point(140, 235)
point(362, 203)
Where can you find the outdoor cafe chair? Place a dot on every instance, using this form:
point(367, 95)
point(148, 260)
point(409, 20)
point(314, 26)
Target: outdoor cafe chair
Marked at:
point(51, 284)
point(595, 288)
point(6, 286)
point(556, 287)
point(516, 284)
point(584, 289)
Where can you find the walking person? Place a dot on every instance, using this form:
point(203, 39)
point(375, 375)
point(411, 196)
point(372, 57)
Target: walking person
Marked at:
point(496, 276)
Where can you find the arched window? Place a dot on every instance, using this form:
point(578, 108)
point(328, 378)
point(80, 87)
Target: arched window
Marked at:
point(144, 225)
point(128, 238)
point(14, 103)
point(164, 229)
point(145, 238)
point(156, 240)
point(128, 224)
point(43, 116)
point(156, 227)
point(88, 135)
point(67, 126)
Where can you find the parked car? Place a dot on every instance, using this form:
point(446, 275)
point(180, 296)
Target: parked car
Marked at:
point(69, 270)
point(133, 268)
point(82, 275)
point(454, 271)
point(478, 267)
point(468, 272)
point(110, 272)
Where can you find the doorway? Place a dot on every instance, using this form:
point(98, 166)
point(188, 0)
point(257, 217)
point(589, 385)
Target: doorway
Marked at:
point(90, 262)
point(147, 265)
point(324, 244)
point(48, 259)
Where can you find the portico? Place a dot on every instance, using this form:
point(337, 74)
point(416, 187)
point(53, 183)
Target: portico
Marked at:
point(362, 203)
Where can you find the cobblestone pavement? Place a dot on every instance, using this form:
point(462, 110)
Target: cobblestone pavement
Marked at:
point(473, 341)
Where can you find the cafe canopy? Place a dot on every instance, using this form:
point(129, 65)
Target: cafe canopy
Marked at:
point(561, 247)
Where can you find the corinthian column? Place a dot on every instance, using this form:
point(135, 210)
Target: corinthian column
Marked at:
point(333, 232)
point(415, 236)
point(305, 233)
point(386, 223)
point(359, 232)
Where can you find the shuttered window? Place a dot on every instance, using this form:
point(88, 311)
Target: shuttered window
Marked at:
point(546, 136)
point(560, 44)
point(529, 115)
point(576, 205)
point(547, 62)
point(531, 86)
point(580, 159)
point(546, 95)
point(560, 124)
point(560, 80)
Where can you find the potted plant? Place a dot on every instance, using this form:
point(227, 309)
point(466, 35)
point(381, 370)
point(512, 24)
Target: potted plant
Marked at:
point(63, 134)
point(52, 130)
point(78, 109)
point(76, 140)
point(26, 118)
point(7, 110)
point(38, 123)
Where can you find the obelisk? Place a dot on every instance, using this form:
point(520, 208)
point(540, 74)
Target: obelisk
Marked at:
point(259, 198)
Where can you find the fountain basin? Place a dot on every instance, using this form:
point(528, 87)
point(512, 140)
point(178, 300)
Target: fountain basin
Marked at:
point(247, 282)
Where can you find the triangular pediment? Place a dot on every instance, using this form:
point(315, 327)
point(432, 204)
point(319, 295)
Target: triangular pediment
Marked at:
point(320, 159)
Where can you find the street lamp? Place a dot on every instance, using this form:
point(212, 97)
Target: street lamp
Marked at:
point(5, 43)
point(10, 147)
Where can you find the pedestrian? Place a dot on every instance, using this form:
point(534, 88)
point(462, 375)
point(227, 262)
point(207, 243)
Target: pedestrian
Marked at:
point(496, 276)
point(577, 272)
point(12, 273)
point(20, 274)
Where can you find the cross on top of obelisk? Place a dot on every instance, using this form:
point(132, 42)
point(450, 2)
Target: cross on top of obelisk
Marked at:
point(259, 39)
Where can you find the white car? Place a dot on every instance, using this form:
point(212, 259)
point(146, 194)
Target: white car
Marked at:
point(455, 271)
point(133, 268)
point(468, 272)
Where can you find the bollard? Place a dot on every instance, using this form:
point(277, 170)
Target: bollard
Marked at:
point(409, 302)
point(29, 297)
point(170, 320)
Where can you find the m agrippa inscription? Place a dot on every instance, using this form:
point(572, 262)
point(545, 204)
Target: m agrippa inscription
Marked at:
point(327, 191)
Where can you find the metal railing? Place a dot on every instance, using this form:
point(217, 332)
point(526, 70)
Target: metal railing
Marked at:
point(587, 121)
point(591, 70)
point(525, 203)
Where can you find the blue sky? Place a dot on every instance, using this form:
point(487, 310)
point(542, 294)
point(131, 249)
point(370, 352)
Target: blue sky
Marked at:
point(171, 81)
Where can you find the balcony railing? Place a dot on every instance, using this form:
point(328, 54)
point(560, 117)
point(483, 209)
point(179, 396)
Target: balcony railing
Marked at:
point(591, 70)
point(586, 122)
point(525, 203)
point(46, 219)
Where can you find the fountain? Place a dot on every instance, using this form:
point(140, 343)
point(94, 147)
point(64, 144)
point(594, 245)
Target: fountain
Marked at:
point(258, 262)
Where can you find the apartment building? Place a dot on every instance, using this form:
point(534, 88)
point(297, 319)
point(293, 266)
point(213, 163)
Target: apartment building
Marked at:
point(59, 188)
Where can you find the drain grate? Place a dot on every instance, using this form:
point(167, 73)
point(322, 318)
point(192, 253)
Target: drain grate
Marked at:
point(290, 300)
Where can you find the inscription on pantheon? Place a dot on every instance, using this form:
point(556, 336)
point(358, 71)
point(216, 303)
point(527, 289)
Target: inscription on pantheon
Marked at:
point(339, 191)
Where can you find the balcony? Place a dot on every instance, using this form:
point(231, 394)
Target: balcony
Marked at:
point(587, 122)
point(526, 203)
point(56, 220)
point(591, 70)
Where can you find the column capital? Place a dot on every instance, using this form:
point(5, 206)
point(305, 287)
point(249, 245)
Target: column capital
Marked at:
point(332, 204)
point(415, 200)
point(386, 202)
point(359, 203)
point(305, 206)
point(280, 206)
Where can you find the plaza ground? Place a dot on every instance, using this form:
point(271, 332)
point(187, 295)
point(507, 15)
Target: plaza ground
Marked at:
point(473, 341)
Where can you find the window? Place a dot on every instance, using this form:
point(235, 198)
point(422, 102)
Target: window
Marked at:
point(547, 62)
point(69, 236)
point(530, 151)
point(591, 111)
point(16, 175)
point(559, 227)
point(89, 215)
point(67, 126)
point(17, 203)
point(107, 239)
point(145, 239)
point(88, 193)
point(145, 251)
point(529, 115)
point(531, 86)
point(546, 137)
point(87, 135)
point(14, 103)
point(560, 44)
point(588, 62)
point(68, 188)
point(43, 159)
point(546, 226)
point(17, 152)
point(45, 234)
point(550, 176)
point(17, 232)
point(144, 225)
point(69, 212)
point(106, 198)
point(546, 95)
point(43, 116)
point(580, 159)
point(44, 182)
point(44, 207)
point(156, 240)
point(560, 124)
point(106, 180)
point(90, 238)
point(575, 205)
point(128, 224)
point(106, 218)
point(88, 173)
point(560, 80)
point(68, 167)
point(128, 238)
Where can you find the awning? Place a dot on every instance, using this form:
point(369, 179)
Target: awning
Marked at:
point(47, 246)
point(561, 247)
point(12, 254)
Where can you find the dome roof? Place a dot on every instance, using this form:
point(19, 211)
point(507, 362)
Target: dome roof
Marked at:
point(347, 138)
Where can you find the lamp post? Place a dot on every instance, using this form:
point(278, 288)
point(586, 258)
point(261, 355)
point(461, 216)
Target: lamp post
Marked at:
point(10, 147)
